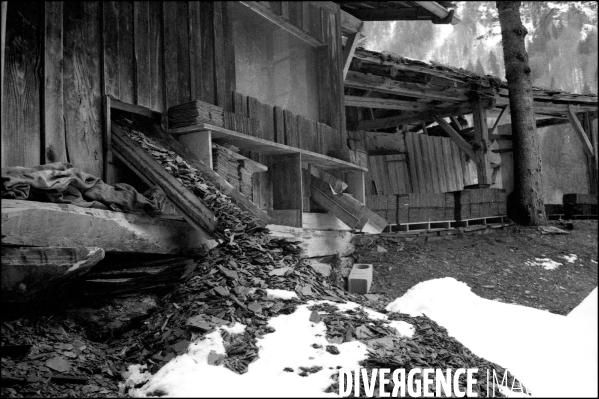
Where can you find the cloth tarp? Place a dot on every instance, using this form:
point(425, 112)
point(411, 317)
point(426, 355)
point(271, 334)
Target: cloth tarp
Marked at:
point(61, 183)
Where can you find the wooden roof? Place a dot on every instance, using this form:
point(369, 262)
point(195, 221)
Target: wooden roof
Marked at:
point(390, 10)
point(401, 90)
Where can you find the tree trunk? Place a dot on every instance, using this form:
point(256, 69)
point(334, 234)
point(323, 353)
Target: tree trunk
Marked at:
point(526, 204)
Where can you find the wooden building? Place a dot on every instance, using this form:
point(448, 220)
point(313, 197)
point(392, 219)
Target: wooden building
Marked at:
point(292, 91)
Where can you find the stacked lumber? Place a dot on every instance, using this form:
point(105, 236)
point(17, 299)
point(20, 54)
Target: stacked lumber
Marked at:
point(193, 113)
point(580, 204)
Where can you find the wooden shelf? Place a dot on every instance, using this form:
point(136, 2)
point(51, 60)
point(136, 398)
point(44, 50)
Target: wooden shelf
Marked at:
point(262, 146)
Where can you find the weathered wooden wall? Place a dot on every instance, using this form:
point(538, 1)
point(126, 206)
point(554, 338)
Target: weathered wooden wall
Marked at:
point(426, 165)
point(62, 57)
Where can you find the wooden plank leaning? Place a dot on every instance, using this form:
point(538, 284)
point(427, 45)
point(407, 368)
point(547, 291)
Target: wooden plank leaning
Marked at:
point(186, 203)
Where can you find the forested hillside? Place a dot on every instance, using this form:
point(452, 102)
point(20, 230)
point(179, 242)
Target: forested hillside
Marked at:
point(562, 48)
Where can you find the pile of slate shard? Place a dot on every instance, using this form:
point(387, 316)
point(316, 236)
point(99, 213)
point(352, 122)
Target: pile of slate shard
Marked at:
point(228, 286)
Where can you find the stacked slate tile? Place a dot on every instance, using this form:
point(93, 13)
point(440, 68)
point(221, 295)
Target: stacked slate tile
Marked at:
point(235, 168)
point(225, 164)
point(193, 113)
point(479, 203)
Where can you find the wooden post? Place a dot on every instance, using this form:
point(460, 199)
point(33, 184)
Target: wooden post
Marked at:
point(481, 138)
point(348, 51)
point(199, 144)
point(287, 192)
point(356, 186)
point(456, 137)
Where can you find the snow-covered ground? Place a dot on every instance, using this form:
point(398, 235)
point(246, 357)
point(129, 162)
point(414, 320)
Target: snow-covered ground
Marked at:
point(552, 355)
point(290, 346)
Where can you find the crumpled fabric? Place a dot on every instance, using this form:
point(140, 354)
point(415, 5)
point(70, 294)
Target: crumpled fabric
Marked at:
point(61, 183)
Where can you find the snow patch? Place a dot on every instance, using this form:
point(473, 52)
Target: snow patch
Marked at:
point(290, 346)
point(280, 294)
point(570, 258)
point(529, 342)
point(547, 263)
point(403, 328)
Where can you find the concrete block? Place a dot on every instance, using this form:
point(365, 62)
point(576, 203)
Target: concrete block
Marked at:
point(360, 279)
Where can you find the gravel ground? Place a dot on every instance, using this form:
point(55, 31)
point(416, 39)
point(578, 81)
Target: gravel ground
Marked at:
point(493, 265)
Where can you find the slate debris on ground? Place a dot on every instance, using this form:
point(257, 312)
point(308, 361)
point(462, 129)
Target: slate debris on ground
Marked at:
point(61, 362)
point(429, 347)
point(229, 285)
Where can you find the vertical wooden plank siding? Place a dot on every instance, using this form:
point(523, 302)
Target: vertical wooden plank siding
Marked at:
point(338, 75)
point(53, 103)
point(295, 13)
point(82, 85)
point(441, 164)
point(228, 55)
point(426, 167)
point(432, 160)
point(126, 52)
point(171, 63)
point(450, 172)
point(156, 57)
point(110, 26)
point(182, 34)
point(207, 57)
point(195, 51)
point(414, 170)
point(143, 83)
point(21, 97)
point(219, 61)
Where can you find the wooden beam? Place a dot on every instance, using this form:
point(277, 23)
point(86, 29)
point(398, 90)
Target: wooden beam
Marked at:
point(586, 144)
point(505, 131)
point(455, 136)
point(383, 103)
point(550, 107)
point(28, 223)
point(391, 121)
point(282, 22)
point(381, 142)
point(337, 185)
point(481, 138)
point(348, 209)
point(267, 147)
point(136, 109)
point(496, 124)
point(365, 81)
point(315, 243)
point(186, 203)
point(41, 272)
point(350, 24)
point(348, 51)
